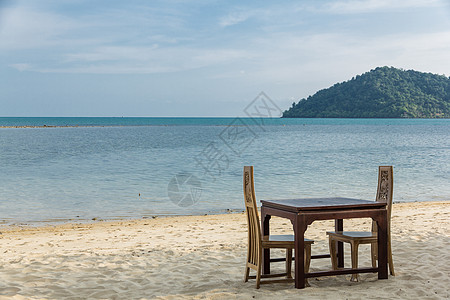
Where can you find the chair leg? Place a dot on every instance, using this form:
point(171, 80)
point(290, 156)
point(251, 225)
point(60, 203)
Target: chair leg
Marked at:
point(374, 254)
point(307, 257)
point(258, 276)
point(289, 263)
point(390, 261)
point(374, 249)
point(247, 273)
point(333, 254)
point(354, 250)
point(307, 261)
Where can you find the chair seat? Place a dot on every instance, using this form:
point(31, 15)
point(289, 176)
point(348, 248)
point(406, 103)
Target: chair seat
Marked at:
point(362, 236)
point(284, 240)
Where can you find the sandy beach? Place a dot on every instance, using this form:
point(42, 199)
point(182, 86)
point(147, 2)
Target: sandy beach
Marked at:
point(202, 257)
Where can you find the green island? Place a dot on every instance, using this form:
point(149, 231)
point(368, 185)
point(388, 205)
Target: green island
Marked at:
point(385, 92)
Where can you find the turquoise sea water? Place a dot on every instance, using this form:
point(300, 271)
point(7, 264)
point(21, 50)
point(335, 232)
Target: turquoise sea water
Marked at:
point(111, 168)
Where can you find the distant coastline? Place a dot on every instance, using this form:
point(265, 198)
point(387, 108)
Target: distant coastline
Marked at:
point(71, 126)
point(106, 122)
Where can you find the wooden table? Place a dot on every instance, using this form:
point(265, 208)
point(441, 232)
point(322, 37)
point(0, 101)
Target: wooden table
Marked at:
point(303, 212)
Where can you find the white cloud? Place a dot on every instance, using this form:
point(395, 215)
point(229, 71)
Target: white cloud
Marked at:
point(365, 6)
point(112, 53)
point(21, 66)
point(235, 18)
point(25, 28)
point(143, 60)
point(209, 57)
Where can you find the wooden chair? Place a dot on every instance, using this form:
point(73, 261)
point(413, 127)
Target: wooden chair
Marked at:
point(256, 243)
point(355, 238)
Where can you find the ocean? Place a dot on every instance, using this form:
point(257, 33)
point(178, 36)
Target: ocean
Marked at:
point(70, 169)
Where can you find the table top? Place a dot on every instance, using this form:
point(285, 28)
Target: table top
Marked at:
point(314, 204)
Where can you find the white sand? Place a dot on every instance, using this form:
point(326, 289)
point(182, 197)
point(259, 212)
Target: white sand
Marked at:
point(202, 257)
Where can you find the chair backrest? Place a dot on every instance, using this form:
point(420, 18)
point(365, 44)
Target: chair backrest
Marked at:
point(385, 191)
point(251, 210)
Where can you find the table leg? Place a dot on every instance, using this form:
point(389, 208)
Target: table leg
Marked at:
point(299, 232)
point(339, 226)
point(265, 218)
point(382, 246)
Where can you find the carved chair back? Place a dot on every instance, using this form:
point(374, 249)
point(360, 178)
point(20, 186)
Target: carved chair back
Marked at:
point(251, 210)
point(384, 192)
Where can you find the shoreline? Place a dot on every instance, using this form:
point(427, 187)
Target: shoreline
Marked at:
point(193, 257)
point(82, 126)
point(5, 223)
point(117, 125)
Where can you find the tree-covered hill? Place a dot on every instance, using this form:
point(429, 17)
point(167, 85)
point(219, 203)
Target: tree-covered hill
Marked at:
point(385, 92)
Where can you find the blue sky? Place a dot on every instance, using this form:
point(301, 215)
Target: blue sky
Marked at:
point(203, 58)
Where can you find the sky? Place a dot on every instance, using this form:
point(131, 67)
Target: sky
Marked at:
point(203, 58)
